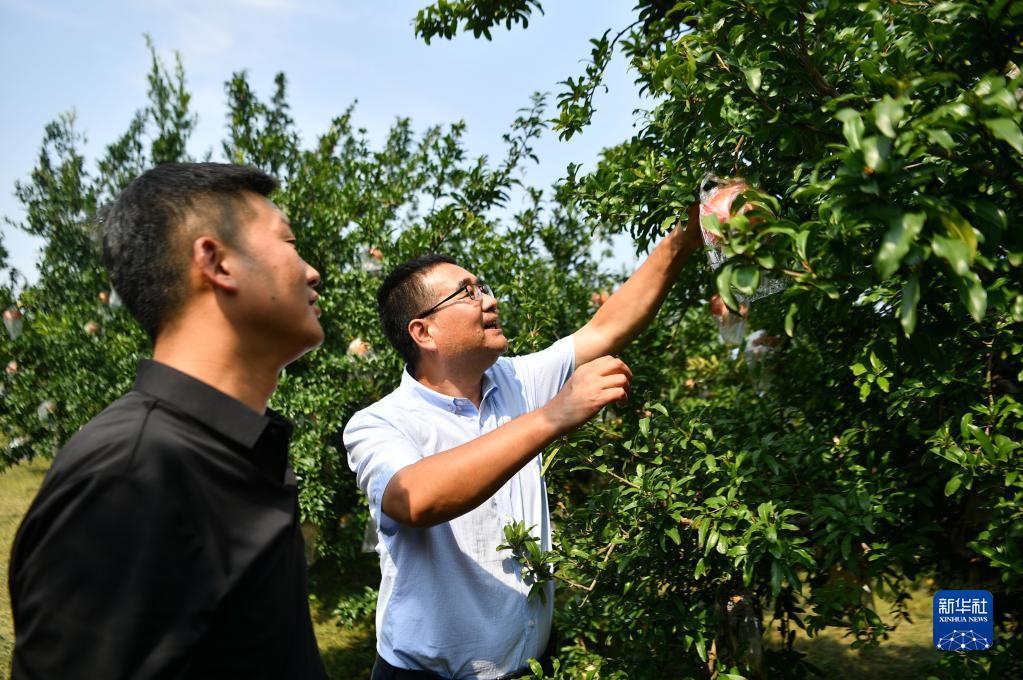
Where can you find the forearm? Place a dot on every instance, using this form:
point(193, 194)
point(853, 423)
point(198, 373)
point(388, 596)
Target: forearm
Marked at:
point(633, 306)
point(448, 484)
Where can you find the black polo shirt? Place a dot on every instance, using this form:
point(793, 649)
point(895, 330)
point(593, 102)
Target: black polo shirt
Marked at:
point(165, 543)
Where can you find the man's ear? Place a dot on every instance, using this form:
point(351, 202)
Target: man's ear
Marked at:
point(215, 264)
point(421, 335)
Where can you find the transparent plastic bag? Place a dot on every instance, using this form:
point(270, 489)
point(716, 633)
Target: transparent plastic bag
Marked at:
point(717, 197)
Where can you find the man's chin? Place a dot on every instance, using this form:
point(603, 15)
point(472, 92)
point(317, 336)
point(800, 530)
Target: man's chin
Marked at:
point(501, 345)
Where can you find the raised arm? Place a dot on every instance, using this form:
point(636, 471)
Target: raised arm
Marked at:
point(448, 484)
point(633, 306)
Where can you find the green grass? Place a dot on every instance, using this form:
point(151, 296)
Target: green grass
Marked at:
point(907, 653)
point(17, 488)
point(348, 651)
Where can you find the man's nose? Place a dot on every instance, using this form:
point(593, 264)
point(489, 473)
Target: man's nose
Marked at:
point(312, 276)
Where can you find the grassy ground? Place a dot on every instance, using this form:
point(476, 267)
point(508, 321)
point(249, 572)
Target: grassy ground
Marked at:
point(907, 653)
point(348, 650)
point(17, 488)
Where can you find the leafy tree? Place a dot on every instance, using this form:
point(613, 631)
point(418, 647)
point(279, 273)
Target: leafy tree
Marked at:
point(883, 143)
point(358, 210)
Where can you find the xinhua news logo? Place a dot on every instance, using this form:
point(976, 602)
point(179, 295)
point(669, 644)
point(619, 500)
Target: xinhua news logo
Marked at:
point(963, 620)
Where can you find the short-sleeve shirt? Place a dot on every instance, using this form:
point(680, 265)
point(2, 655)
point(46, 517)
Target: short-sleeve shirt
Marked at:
point(165, 543)
point(450, 602)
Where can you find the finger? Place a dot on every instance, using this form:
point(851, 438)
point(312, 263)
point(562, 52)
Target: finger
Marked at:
point(615, 394)
point(615, 380)
point(610, 396)
point(693, 212)
point(626, 370)
point(608, 364)
point(619, 367)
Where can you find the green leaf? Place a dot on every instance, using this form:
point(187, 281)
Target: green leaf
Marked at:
point(941, 138)
point(790, 319)
point(701, 649)
point(712, 224)
point(876, 151)
point(753, 78)
point(973, 295)
point(724, 285)
point(897, 240)
point(801, 239)
point(910, 299)
point(953, 485)
point(959, 228)
point(746, 279)
point(1007, 130)
point(660, 408)
point(712, 540)
point(989, 217)
point(766, 260)
point(672, 533)
point(852, 127)
point(887, 114)
point(954, 251)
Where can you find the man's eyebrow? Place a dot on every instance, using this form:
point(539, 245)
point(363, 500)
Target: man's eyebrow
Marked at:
point(465, 282)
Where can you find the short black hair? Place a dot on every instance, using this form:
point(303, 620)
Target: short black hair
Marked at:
point(401, 297)
point(145, 248)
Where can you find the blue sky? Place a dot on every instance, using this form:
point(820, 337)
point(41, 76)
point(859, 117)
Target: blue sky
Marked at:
point(61, 55)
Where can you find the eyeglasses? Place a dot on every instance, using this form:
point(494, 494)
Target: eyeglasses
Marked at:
point(474, 291)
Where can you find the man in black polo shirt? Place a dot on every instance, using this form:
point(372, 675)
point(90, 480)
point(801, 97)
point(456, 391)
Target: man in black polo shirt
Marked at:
point(165, 539)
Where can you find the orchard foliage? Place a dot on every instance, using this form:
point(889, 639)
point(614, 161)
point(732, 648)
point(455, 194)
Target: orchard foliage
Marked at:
point(358, 209)
point(877, 443)
point(883, 143)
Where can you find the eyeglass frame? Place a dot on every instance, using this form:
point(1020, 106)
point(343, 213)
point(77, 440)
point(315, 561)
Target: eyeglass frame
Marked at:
point(470, 289)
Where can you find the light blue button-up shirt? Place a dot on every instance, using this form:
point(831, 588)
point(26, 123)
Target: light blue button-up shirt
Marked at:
point(450, 602)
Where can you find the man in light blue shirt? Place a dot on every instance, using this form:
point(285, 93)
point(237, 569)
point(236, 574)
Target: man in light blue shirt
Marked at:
point(453, 455)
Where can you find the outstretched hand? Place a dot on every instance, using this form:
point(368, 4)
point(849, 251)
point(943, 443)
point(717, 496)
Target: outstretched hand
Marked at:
point(690, 230)
point(593, 386)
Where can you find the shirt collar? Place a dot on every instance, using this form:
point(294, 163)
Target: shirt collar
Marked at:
point(409, 383)
point(211, 407)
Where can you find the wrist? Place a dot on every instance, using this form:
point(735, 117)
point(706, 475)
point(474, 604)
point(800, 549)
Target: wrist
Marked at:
point(549, 421)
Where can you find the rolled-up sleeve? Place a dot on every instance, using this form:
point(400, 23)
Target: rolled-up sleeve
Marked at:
point(376, 451)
